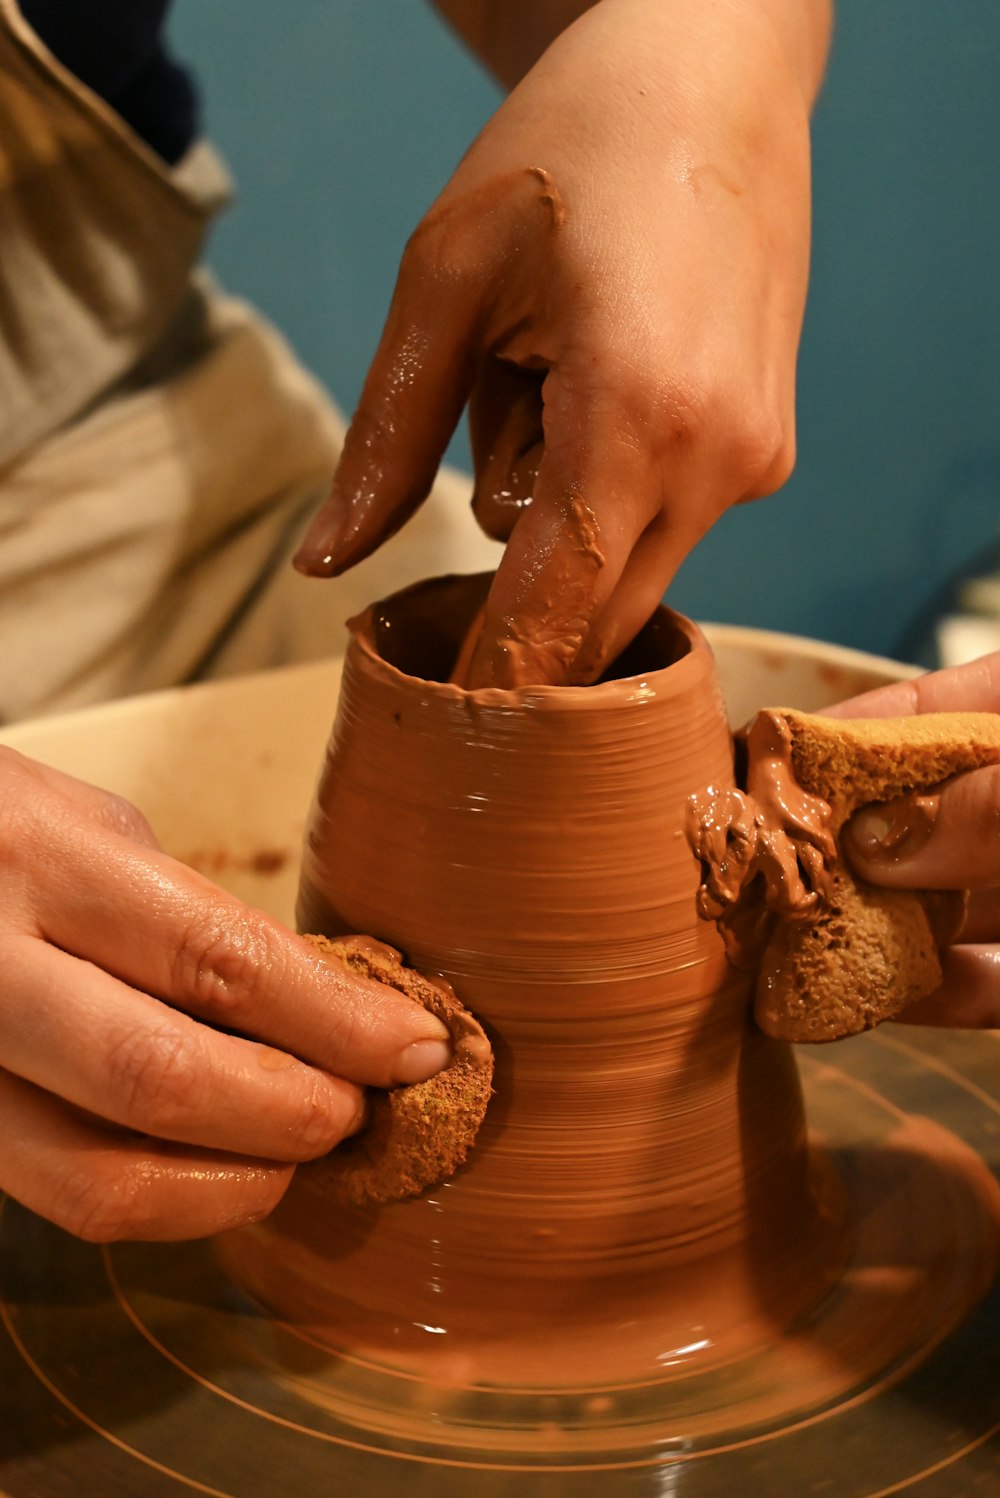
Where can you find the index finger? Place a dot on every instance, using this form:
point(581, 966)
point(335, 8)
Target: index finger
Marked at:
point(597, 495)
point(164, 929)
point(413, 396)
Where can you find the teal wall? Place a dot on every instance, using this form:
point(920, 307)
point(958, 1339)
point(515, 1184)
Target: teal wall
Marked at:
point(342, 118)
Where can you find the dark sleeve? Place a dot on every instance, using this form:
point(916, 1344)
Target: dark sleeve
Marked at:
point(117, 48)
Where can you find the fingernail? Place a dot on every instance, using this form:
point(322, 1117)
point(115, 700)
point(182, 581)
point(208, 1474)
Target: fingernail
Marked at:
point(319, 553)
point(868, 830)
point(318, 557)
point(421, 1060)
point(895, 831)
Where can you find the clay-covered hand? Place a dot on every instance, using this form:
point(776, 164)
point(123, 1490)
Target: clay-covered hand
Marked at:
point(166, 1053)
point(949, 840)
point(614, 279)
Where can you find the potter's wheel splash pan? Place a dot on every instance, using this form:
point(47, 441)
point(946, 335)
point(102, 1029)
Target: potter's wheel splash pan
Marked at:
point(139, 1369)
point(142, 1369)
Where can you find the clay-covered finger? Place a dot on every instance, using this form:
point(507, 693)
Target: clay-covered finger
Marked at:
point(163, 929)
point(104, 1184)
point(82, 1035)
point(467, 292)
point(593, 500)
point(948, 839)
point(969, 995)
point(653, 561)
point(505, 430)
point(413, 396)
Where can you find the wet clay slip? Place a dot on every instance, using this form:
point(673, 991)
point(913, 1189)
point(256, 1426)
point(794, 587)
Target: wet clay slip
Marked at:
point(648, 1279)
point(642, 1202)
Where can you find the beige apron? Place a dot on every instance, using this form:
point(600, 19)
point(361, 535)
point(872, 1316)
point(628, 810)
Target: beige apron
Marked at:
point(160, 447)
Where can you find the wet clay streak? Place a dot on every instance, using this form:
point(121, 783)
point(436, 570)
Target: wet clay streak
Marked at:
point(539, 644)
point(550, 196)
point(765, 852)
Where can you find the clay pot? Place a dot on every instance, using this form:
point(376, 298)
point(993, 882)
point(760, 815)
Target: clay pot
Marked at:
point(641, 1191)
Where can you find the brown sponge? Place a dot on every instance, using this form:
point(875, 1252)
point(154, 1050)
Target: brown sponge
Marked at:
point(420, 1134)
point(869, 952)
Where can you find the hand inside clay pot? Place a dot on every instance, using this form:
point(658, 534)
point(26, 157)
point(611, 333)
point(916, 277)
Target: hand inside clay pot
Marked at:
point(614, 279)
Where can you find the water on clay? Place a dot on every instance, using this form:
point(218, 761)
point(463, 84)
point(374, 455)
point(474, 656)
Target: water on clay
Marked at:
point(668, 1266)
point(646, 1238)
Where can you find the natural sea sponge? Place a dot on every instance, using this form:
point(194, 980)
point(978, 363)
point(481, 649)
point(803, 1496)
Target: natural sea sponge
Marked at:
point(420, 1134)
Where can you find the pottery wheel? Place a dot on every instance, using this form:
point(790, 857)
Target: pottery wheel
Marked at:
point(139, 1370)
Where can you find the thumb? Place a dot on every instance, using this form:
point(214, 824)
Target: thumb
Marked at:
point(945, 839)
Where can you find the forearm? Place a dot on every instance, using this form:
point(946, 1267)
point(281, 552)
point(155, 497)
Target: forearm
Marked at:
point(509, 39)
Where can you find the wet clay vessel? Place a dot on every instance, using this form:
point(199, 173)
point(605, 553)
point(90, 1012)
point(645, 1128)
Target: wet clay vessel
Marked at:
point(528, 846)
point(648, 1280)
point(644, 1239)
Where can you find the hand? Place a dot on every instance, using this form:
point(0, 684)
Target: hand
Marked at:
point(954, 845)
point(614, 278)
point(126, 1112)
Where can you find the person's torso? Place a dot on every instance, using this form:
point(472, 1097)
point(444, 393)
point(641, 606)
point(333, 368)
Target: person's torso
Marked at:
point(119, 50)
point(98, 232)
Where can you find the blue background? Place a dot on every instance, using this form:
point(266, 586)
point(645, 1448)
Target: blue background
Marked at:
point(343, 118)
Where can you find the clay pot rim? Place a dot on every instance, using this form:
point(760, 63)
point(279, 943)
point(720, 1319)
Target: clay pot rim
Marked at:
point(638, 688)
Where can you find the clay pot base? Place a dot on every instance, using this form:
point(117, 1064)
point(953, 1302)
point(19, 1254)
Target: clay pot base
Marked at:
point(140, 1369)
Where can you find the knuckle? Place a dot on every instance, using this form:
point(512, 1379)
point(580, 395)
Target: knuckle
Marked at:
point(101, 1206)
point(11, 762)
point(154, 1079)
point(783, 466)
point(494, 519)
point(758, 452)
point(18, 836)
point(683, 416)
point(220, 962)
point(119, 815)
point(354, 1007)
point(419, 250)
point(349, 1027)
point(752, 441)
point(449, 249)
point(17, 766)
point(21, 818)
point(318, 1123)
point(992, 797)
point(433, 249)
